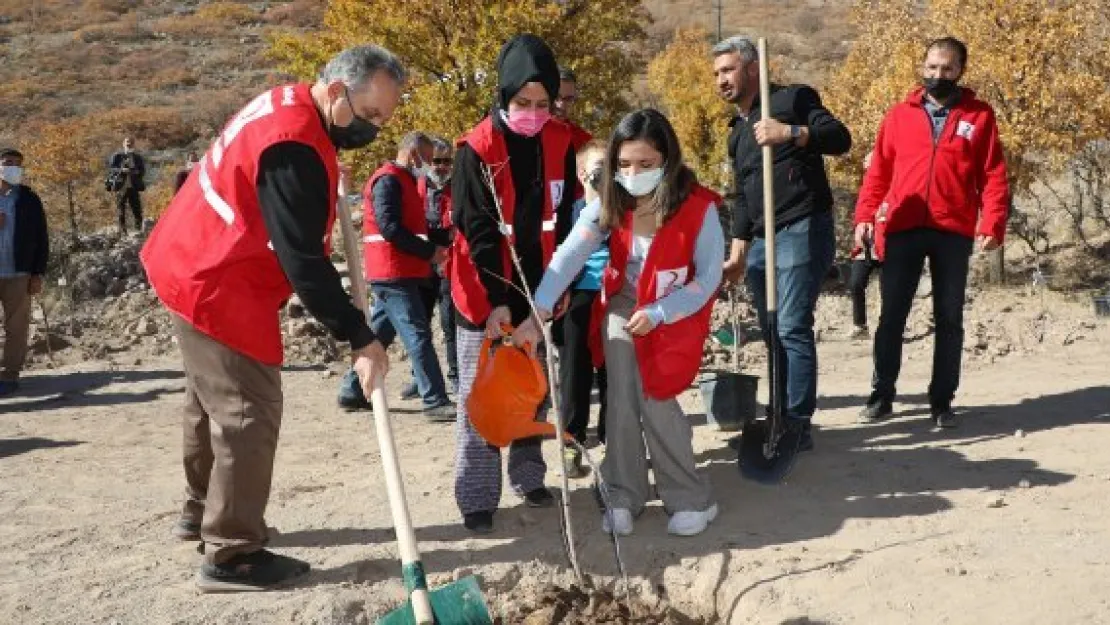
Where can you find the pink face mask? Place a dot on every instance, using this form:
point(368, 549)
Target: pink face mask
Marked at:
point(527, 123)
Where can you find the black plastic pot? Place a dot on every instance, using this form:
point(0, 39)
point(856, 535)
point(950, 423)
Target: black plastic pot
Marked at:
point(1102, 305)
point(729, 398)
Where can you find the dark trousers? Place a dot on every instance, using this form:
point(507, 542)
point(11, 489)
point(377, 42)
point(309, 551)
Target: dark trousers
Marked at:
point(857, 285)
point(576, 370)
point(803, 254)
point(437, 296)
point(906, 252)
point(129, 197)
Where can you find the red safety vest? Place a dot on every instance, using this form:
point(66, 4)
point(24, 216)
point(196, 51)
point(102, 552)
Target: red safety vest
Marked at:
point(489, 144)
point(670, 355)
point(382, 259)
point(209, 257)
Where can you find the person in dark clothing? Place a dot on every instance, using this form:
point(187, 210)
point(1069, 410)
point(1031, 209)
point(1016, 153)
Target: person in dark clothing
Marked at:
point(521, 125)
point(24, 249)
point(801, 131)
point(437, 208)
point(864, 263)
point(126, 172)
point(399, 254)
point(183, 173)
point(226, 286)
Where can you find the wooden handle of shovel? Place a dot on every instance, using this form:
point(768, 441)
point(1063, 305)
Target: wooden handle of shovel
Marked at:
point(768, 181)
point(411, 566)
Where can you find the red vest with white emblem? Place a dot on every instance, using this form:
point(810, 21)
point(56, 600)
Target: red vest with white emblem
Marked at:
point(383, 261)
point(489, 144)
point(670, 355)
point(209, 257)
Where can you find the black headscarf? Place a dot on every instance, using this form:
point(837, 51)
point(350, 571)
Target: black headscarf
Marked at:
point(523, 59)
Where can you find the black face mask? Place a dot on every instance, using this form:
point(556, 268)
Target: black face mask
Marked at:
point(594, 180)
point(357, 134)
point(940, 88)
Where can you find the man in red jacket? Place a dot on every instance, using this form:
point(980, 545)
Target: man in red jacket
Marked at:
point(936, 188)
point(251, 226)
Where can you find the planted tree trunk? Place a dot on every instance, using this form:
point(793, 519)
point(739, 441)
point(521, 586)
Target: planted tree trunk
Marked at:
point(72, 209)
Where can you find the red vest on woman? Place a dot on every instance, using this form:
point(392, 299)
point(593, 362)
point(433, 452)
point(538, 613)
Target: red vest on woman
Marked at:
point(670, 355)
point(488, 143)
point(209, 257)
point(382, 259)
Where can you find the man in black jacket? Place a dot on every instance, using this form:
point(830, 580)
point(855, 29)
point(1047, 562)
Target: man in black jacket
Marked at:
point(801, 132)
point(126, 170)
point(23, 254)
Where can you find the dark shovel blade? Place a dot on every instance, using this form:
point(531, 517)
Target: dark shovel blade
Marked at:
point(754, 463)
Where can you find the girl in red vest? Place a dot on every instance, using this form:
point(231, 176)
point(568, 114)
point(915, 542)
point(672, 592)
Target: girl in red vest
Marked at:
point(531, 161)
point(666, 253)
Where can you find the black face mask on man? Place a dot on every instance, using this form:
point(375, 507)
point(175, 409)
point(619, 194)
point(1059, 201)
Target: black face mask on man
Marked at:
point(357, 134)
point(940, 88)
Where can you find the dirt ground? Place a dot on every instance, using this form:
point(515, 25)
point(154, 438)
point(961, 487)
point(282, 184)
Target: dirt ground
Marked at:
point(1000, 521)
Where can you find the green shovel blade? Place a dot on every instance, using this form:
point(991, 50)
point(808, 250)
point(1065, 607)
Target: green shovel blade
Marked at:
point(724, 337)
point(458, 603)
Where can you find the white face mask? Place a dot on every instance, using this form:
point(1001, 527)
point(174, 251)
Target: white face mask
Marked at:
point(642, 183)
point(12, 174)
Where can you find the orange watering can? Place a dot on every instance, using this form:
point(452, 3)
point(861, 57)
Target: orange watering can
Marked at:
point(507, 392)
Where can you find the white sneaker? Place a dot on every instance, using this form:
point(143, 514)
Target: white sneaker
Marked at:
point(691, 522)
point(620, 519)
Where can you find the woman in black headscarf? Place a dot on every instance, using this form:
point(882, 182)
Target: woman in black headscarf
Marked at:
point(531, 161)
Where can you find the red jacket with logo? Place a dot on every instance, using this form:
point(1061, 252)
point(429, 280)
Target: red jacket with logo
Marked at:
point(383, 261)
point(209, 257)
point(488, 143)
point(670, 355)
point(956, 184)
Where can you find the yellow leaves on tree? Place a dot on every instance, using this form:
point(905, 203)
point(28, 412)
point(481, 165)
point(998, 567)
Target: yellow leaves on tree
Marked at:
point(681, 77)
point(1042, 64)
point(451, 48)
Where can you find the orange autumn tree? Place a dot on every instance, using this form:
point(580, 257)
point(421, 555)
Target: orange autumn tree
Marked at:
point(681, 77)
point(1042, 64)
point(450, 49)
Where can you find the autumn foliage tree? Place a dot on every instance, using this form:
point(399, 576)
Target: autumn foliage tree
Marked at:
point(1042, 64)
point(681, 78)
point(451, 48)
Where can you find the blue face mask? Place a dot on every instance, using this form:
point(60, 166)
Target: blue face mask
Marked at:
point(641, 183)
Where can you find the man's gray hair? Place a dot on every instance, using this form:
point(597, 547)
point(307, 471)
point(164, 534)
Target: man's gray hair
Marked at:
point(357, 65)
point(413, 141)
point(737, 45)
point(439, 144)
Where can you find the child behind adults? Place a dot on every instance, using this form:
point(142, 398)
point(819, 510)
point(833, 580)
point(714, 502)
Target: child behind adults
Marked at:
point(666, 253)
point(576, 370)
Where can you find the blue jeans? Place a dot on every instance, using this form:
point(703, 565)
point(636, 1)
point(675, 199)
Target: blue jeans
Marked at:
point(399, 310)
point(803, 255)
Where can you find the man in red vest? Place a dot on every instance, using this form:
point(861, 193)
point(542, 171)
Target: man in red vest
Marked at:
point(398, 264)
point(249, 228)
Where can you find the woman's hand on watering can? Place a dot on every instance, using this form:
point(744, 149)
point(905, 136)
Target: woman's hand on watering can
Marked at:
point(499, 318)
point(528, 335)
